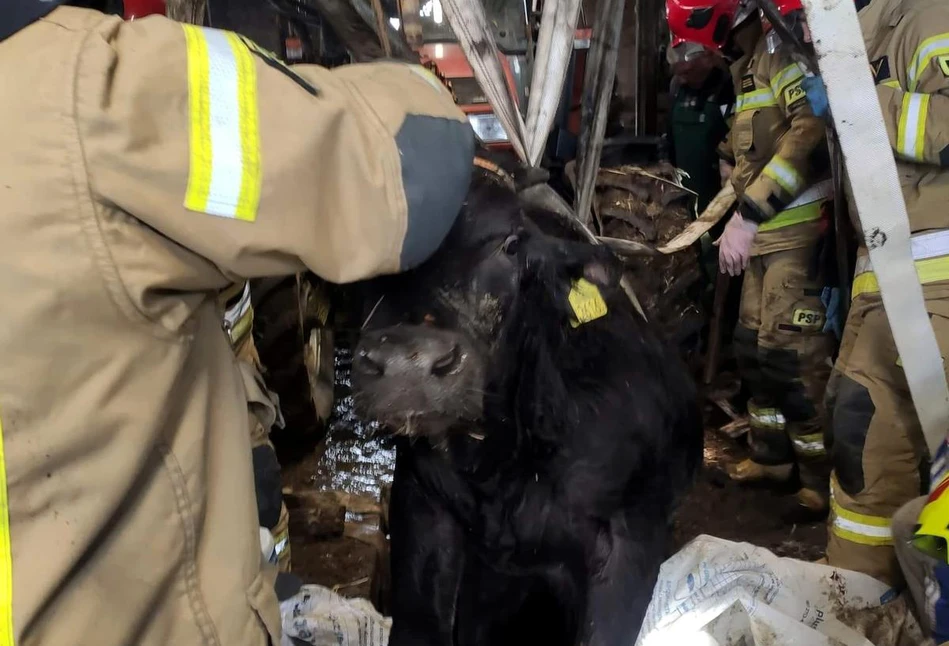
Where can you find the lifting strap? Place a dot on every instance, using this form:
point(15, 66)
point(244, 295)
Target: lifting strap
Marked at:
point(870, 164)
point(558, 24)
point(470, 25)
point(554, 48)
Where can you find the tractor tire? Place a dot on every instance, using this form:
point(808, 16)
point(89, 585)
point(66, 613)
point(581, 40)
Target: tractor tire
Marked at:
point(296, 351)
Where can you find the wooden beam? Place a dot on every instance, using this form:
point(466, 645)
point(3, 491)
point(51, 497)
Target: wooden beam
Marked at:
point(597, 91)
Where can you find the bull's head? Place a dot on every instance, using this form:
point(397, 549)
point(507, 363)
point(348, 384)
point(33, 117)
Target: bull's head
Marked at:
point(446, 345)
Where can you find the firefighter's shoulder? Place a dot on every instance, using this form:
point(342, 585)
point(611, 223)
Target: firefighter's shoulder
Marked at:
point(205, 137)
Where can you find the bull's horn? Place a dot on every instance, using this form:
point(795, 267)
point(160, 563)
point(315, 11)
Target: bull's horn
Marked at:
point(628, 247)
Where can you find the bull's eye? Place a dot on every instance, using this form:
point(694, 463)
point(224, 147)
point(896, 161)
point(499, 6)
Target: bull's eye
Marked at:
point(511, 245)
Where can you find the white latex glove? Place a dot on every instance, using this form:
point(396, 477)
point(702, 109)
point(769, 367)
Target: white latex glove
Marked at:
point(734, 247)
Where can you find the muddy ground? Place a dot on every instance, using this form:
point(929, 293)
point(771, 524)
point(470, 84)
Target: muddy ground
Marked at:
point(355, 460)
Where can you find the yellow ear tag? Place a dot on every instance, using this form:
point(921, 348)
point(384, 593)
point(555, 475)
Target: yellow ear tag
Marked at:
point(586, 302)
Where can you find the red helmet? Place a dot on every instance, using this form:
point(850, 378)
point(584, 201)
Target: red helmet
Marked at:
point(704, 22)
point(134, 9)
point(787, 6)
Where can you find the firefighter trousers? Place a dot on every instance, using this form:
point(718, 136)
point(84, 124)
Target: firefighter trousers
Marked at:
point(875, 442)
point(784, 357)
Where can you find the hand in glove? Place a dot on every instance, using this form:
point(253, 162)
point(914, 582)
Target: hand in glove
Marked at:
point(816, 95)
point(734, 247)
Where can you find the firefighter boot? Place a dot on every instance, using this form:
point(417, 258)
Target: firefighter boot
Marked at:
point(772, 457)
point(813, 468)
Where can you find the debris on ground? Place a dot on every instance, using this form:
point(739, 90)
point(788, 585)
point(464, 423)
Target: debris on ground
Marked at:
point(321, 617)
point(649, 205)
point(716, 593)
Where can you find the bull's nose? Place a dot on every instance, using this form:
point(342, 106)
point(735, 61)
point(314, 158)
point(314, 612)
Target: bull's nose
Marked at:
point(422, 354)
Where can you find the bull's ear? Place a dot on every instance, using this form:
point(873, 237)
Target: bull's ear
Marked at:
point(599, 273)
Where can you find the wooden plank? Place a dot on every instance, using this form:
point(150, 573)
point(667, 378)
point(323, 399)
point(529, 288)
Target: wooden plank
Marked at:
point(597, 91)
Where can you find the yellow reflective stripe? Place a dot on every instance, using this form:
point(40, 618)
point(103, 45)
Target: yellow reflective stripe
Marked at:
point(251, 176)
point(199, 113)
point(6, 556)
point(930, 270)
point(893, 83)
point(929, 49)
point(911, 132)
point(281, 542)
point(785, 77)
point(785, 175)
point(224, 167)
point(769, 418)
point(862, 529)
point(241, 328)
point(809, 445)
point(753, 100)
point(797, 215)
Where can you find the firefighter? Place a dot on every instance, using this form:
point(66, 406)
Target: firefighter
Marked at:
point(781, 177)
point(263, 409)
point(146, 166)
point(263, 414)
point(702, 100)
point(878, 451)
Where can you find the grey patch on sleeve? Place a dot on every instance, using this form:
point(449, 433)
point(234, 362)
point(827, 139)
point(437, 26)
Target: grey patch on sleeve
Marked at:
point(437, 157)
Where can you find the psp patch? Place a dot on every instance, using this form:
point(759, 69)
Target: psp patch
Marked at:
point(808, 318)
point(794, 93)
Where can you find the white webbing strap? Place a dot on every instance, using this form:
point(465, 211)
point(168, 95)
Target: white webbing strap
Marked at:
point(923, 246)
point(558, 24)
point(470, 25)
point(843, 63)
point(554, 49)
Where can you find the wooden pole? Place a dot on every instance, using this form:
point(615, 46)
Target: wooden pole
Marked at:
point(715, 329)
point(382, 27)
point(597, 91)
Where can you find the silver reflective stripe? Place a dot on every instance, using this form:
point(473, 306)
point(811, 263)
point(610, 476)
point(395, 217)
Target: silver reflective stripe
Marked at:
point(234, 313)
point(821, 191)
point(861, 528)
point(785, 77)
point(928, 49)
point(809, 447)
point(913, 119)
point(932, 244)
point(784, 174)
point(757, 99)
point(767, 417)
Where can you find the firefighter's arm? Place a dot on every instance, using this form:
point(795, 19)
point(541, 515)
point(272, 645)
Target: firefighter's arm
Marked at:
point(787, 173)
point(725, 149)
point(263, 169)
point(914, 96)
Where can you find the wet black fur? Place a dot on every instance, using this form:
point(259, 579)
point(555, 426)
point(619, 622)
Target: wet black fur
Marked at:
point(551, 529)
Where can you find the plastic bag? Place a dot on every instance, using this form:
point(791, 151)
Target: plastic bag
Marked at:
point(318, 616)
point(715, 592)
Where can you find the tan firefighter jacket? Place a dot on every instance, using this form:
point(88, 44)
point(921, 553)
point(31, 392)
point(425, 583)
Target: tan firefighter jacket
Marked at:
point(144, 167)
point(908, 48)
point(779, 148)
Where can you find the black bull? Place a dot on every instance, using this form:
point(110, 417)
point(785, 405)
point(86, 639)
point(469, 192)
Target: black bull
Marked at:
point(540, 455)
